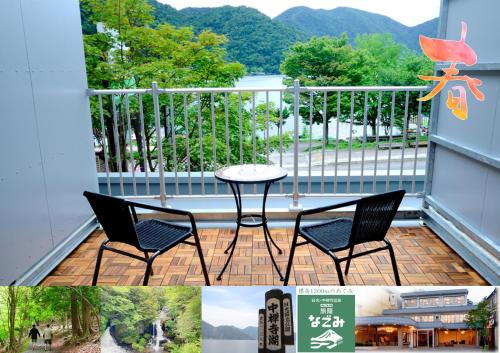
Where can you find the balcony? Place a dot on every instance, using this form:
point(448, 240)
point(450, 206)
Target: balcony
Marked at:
point(359, 164)
point(166, 143)
point(423, 260)
point(162, 145)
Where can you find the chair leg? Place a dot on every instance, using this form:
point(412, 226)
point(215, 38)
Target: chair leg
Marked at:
point(339, 270)
point(349, 260)
point(149, 268)
point(98, 265)
point(290, 259)
point(202, 260)
point(147, 256)
point(394, 265)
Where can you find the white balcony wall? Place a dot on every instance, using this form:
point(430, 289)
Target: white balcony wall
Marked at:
point(463, 176)
point(46, 144)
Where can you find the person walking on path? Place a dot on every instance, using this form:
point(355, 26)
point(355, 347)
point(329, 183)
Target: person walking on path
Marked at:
point(47, 336)
point(34, 334)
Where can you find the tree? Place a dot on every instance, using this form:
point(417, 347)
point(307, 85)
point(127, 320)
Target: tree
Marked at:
point(375, 60)
point(75, 319)
point(133, 54)
point(132, 310)
point(478, 319)
point(18, 303)
point(21, 307)
point(322, 61)
point(391, 64)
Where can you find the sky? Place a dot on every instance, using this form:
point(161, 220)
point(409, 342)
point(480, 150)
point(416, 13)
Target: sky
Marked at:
point(235, 306)
point(408, 12)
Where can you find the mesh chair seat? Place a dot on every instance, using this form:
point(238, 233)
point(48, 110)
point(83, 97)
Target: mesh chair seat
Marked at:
point(119, 221)
point(330, 235)
point(154, 234)
point(371, 221)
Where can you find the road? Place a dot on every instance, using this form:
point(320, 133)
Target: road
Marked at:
point(355, 158)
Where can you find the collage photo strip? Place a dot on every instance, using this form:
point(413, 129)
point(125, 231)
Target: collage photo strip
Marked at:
point(232, 176)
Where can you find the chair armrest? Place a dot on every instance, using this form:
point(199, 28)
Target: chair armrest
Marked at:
point(328, 208)
point(164, 210)
point(320, 210)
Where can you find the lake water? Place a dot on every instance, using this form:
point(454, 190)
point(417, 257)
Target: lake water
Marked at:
point(217, 346)
point(276, 81)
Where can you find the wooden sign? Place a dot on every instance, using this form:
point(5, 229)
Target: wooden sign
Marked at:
point(276, 323)
point(288, 332)
point(262, 331)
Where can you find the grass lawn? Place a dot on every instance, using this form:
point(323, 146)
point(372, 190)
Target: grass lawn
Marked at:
point(357, 144)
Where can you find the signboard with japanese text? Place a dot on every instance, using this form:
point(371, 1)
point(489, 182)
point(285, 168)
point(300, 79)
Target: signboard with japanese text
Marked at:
point(325, 320)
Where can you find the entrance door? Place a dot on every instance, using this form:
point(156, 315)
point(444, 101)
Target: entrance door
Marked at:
point(423, 339)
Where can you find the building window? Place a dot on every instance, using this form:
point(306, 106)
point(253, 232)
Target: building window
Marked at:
point(452, 318)
point(431, 301)
point(410, 303)
point(376, 336)
point(366, 336)
point(387, 336)
point(454, 300)
point(449, 338)
point(423, 318)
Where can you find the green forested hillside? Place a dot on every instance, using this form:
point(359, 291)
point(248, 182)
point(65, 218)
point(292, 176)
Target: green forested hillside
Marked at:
point(353, 22)
point(254, 39)
point(260, 42)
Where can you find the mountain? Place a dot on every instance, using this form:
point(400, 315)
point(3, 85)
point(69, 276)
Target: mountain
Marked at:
point(228, 332)
point(354, 22)
point(260, 42)
point(251, 331)
point(253, 38)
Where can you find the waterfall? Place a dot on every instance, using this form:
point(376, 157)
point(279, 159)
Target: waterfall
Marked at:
point(108, 344)
point(158, 334)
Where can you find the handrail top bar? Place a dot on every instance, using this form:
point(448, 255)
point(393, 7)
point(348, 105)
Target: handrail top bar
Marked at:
point(223, 89)
point(96, 92)
point(365, 88)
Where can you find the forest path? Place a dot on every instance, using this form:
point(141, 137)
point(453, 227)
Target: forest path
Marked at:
point(57, 346)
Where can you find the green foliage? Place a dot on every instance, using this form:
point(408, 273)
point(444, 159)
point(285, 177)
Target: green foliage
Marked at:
point(135, 56)
point(260, 42)
point(353, 22)
point(478, 319)
point(375, 61)
point(22, 307)
point(254, 39)
point(131, 311)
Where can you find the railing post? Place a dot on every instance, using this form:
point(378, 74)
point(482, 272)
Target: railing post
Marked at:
point(295, 205)
point(159, 144)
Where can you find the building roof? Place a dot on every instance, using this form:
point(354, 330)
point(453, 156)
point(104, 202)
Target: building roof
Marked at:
point(433, 293)
point(491, 294)
point(430, 310)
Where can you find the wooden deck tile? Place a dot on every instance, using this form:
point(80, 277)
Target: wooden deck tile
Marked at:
point(423, 259)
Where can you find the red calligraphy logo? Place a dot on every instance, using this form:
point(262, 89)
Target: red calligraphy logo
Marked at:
point(454, 52)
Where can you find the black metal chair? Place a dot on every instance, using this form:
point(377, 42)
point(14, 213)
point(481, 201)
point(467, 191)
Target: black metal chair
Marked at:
point(119, 220)
point(372, 219)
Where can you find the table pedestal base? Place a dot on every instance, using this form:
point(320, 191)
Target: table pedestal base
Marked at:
point(241, 223)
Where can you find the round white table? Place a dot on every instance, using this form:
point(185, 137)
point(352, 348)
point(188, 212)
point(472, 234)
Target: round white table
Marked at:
point(251, 174)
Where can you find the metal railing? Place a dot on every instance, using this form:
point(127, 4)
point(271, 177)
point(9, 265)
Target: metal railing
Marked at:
point(164, 143)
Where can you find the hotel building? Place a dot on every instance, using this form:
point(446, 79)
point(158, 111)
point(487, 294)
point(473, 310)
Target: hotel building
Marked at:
point(422, 319)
